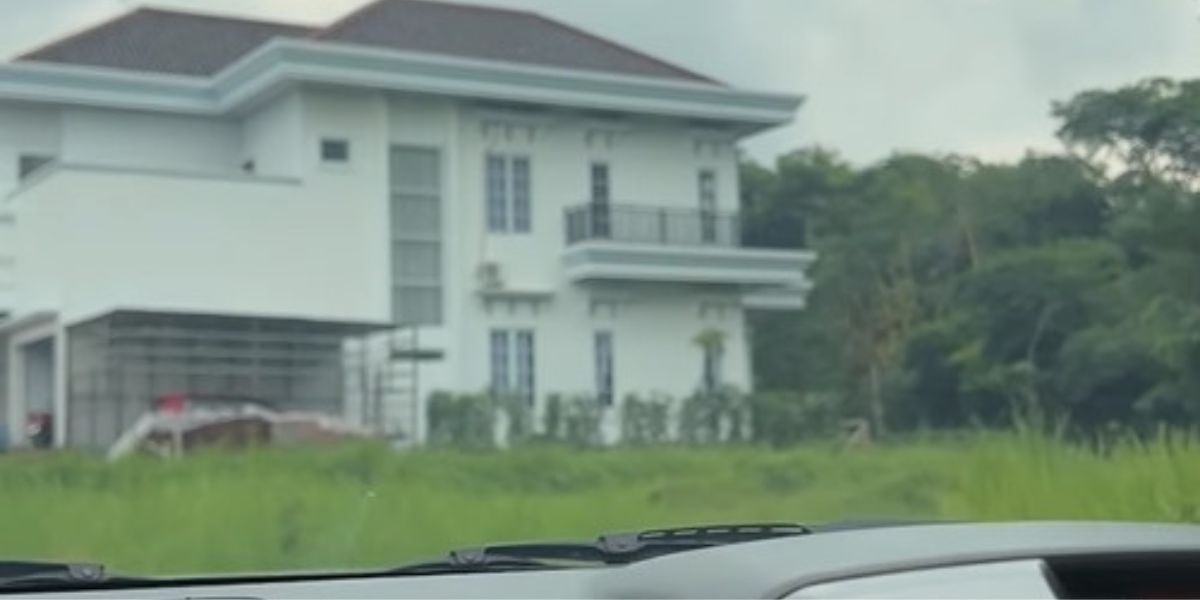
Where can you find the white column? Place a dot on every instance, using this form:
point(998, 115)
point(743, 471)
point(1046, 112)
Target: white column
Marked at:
point(61, 406)
point(18, 404)
point(16, 393)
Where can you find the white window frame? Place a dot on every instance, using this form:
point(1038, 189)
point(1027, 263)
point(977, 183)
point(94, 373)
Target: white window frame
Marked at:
point(325, 140)
point(508, 192)
point(408, 285)
point(500, 359)
point(512, 354)
point(521, 193)
point(525, 364)
point(495, 192)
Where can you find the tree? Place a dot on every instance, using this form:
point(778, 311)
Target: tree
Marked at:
point(779, 206)
point(1148, 129)
point(949, 291)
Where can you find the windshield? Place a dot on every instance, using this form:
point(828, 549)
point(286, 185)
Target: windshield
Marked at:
point(314, 285)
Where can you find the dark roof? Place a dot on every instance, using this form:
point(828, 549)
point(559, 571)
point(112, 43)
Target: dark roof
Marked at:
point(161, 41)
point(183, 43)
point(494, 34)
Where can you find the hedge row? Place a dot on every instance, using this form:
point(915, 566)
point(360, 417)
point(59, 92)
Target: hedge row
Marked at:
point(485, 421)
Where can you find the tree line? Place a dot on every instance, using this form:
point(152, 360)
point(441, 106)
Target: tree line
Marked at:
point(951, 292)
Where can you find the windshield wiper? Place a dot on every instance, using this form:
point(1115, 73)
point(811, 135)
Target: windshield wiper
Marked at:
point(610, 549)
point(22, 574)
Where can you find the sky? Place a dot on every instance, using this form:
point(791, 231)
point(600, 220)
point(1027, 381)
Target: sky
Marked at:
point(880, 76)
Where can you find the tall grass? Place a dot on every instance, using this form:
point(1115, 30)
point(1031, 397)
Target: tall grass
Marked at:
point(365, 506)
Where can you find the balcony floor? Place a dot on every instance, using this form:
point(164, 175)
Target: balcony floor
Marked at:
point(752, 268)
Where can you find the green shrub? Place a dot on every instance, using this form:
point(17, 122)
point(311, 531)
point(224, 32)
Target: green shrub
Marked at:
point(369, 506)
point(574, 420)
point(716, 417)
point(519, 419)
point(645, 421)
point(466, 421)
point(789, 418)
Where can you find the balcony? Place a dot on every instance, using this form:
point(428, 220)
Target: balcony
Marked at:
point(638, 243)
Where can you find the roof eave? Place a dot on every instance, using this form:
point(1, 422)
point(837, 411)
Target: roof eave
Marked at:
point(285, 61)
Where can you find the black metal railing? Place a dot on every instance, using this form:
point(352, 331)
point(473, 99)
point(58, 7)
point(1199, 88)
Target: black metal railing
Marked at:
point(652, 225)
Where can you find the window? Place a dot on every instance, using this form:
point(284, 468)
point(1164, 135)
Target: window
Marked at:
point(417, 304)
point(415, 180)
point(520, 193)
point(497, 193)
point(603, 342)
point(708, 206)
point(509, 194)
point(499, 359)
point(525, 366)
point(601, 199)
point(601, 188)
point(28, 164)
point(416, 262)
point(513, 363)
point(335, 150)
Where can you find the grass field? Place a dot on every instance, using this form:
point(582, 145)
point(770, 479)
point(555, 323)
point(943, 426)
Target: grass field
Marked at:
point(368, 507)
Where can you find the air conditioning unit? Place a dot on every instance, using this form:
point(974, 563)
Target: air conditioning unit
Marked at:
point(491, 276)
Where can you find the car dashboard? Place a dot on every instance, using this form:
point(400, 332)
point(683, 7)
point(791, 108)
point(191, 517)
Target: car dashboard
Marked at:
point(1017, 560)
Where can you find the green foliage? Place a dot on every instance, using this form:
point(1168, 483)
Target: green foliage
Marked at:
point(710, 339)
point(518, 418)
point(368, 507)
point(716, 417)
point(782, 419)
point(574, 420)
point(950, 293)
point(466, 421)
point(1149, 128)
point(645, 420)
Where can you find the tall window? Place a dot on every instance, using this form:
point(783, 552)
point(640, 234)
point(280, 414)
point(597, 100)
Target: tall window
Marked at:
point(522, 219)
point(603, 342)
point(601, 200)
point(508, 188)
point(525, 366)
point(501, 382)
point(513, 363)
point(708, 206)
point(415, 179)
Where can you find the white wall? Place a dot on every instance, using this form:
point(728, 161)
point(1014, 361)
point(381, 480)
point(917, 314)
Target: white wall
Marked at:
point(91, 241)
point(433, 123)
point(25, 129)
point(316, 244)
point(150, 141)
point(356, 193)
point(271, 136)
point(651, 163)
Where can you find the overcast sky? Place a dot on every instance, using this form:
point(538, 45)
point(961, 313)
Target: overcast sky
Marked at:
point(966, 76)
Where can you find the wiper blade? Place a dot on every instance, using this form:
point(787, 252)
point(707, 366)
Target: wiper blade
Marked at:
point(631, 547)
point(491, 563)
point(29, 574)
point(609, 549)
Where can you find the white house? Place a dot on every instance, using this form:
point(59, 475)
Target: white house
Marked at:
point(420, 196)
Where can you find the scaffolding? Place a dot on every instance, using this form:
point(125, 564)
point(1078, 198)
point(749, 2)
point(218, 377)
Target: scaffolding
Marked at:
point(383, 384)
point(120, 363)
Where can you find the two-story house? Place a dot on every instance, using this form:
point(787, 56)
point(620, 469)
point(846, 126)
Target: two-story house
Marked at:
point(420, 196)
